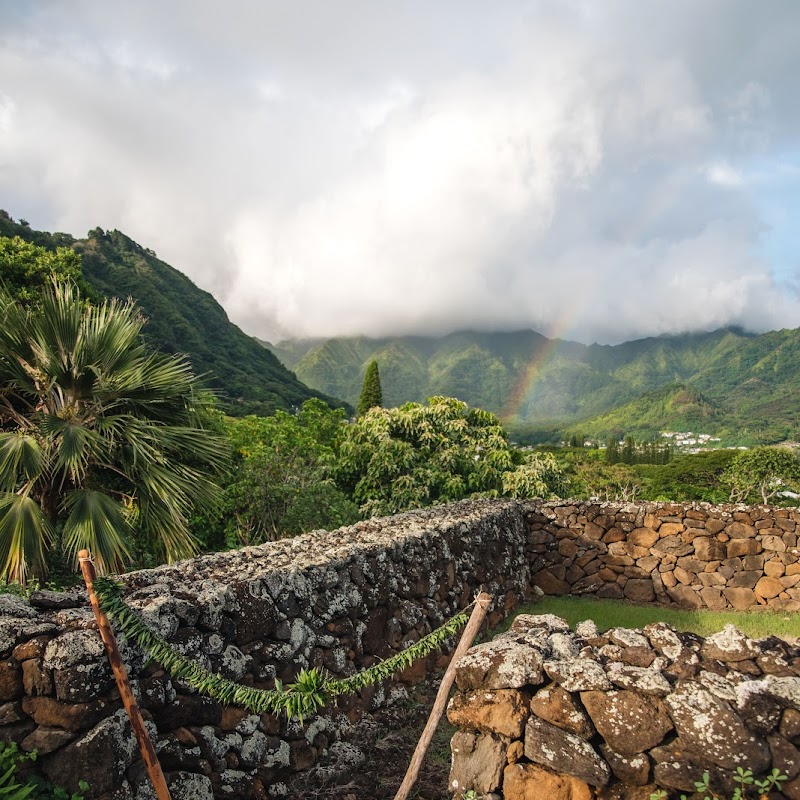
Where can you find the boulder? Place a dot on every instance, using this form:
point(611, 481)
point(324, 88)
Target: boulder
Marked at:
point(731, 645)
point(549, 746)
point(555, 705)
point(578, 675)
point(500, 711)
point(531, 782)
point(478, 760)
point(712, 731)
point(500, 664)
point(629, 722)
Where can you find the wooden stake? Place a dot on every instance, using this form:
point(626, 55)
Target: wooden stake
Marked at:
point(470, 632)
point(128, 700)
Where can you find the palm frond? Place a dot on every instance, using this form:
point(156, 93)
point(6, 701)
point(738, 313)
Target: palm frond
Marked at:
point(21, 459)
point(97, 523)
point(25, 534)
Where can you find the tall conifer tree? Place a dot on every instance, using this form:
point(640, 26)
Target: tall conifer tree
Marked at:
point(371, 394)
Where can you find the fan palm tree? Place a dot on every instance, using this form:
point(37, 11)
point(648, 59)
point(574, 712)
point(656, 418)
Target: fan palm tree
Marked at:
point(98, 435)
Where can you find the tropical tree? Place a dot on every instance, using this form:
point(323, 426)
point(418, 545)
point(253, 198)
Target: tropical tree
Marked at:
point(762, 471)
point(282, 474)
point(371, 393)
point(99, 436)
point(399, 458)
point(26, 269)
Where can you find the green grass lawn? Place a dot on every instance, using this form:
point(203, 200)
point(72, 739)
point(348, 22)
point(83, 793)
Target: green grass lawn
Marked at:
point(617, 613)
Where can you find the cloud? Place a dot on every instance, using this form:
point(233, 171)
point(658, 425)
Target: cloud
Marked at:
point(361, 168)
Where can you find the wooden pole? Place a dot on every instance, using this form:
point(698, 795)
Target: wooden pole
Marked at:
point(128, 700)
point(470, 632)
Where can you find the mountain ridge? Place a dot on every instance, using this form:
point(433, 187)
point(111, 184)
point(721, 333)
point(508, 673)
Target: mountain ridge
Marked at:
point(530, 380)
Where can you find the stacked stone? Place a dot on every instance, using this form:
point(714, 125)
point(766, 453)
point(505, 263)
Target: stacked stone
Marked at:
point(546, 712)
point(695, 556)
point(339, 601)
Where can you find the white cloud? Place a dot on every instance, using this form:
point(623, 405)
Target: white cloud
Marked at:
point(392, 169)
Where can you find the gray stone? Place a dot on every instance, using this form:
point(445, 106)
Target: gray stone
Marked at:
point(578, 675)
point(501, 664)
point(709, 727)
point(558, 750)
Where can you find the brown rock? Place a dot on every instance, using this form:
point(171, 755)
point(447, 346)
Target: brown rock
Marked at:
point(707, 548)
point(790, 724)
point(531, 782)
point(740, 530)
point(611, 591)
point(231, 717)
point(643, 537)
point(549, 746)
point(785, 756)
point(640, 590)
point(740, 598)
point(742, 547)
point(714, 525)
point(515, 752)
point(684, 577)
point(10, 681)
point(11, 712)
point(46, 740)
point(730, 644)
point(477, 763)
point(549, 583)
point(558, 707)
point(713, 598)
point(768, 588)
point(685, 597)
point(671, 529)
point(774, 569)
point(774, 543)
point(51, 713)
point(629, 769)
point(33, 648)
point(36, 679)
point(500, 711)
point(629, 722)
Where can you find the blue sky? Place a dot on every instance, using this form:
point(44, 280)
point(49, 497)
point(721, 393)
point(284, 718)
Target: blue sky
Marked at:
point(600, 171)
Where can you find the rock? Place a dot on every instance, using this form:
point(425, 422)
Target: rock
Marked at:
point(731, 645)
point(741, 598)
point(708, 549)
point(188, 786)
point(44, 598)
point(549, 583)
point(477, 763)
point(530, 782)
point(549, 746)
point(186, 710)
point(578, 675)
point(83, 682)
point(630, 769)
point(790, 724)
point(785, 756)
point(628, 722)
point(46, 740)
point(555, 705)
point(639, 590)
point(72, 648)
point(768, 587)
point(685, 597)
point(640, 679)
point(51, 713)
point(13, 606)
point(709, 728)
point(500, 711)
point(10, 681)
point(500, 664)
point(102, 755)
point(627, 638)
point(36, 679)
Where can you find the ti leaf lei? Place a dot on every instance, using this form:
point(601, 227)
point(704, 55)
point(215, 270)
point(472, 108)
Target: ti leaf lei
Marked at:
point(312, 688)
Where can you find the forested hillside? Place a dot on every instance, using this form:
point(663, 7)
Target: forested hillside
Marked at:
point(740, 385)
point(181, 319)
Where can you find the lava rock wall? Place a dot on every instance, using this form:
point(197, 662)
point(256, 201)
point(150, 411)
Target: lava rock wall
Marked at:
point(543, 711)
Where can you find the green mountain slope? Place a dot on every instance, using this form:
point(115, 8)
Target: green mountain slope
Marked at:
point(728, 382)
point(182, 319)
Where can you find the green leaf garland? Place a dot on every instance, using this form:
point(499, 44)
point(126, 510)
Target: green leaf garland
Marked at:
point(312, 689)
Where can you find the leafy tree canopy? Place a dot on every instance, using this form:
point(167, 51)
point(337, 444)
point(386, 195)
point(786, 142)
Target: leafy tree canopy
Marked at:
point(416, 455)
point(761, 473)
point(281, 483)
point(26, 268)
point(99, 436)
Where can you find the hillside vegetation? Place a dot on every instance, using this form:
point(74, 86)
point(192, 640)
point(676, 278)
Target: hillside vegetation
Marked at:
point(729, 383)
point(181, 319)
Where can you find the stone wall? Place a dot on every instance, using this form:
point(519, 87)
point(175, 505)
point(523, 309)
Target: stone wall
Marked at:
point(340, 601)
point(695, 556)
point(546, 712)
point(337, 600)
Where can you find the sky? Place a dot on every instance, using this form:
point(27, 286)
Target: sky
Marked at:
point(597, 170)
